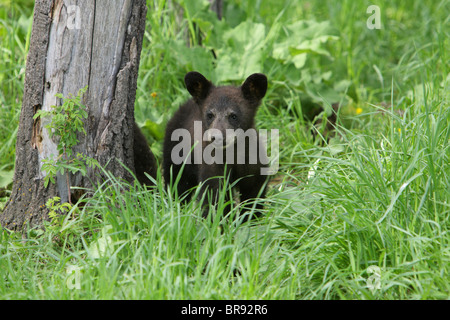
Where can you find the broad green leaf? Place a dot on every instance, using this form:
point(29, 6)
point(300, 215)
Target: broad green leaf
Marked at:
point(6, 178)
point(243, 52)
point(102, 246)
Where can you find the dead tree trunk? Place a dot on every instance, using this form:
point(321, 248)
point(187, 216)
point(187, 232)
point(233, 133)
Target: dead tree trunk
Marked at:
point(74, 44)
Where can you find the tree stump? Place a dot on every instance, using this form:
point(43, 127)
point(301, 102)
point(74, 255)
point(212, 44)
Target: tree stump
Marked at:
point(94, 43)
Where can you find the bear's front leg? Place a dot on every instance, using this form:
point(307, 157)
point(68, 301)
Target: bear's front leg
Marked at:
point(252, 186)
point(213, 180)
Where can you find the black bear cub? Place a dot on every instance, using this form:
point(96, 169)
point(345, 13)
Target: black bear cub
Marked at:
point(216, 122)
point(144, 160)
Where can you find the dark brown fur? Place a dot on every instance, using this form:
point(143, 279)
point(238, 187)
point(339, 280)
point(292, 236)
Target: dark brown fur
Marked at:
point(144, 160)
point(220, 108)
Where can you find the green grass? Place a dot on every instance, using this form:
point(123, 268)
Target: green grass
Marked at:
point(375, 194)
point(15, 28)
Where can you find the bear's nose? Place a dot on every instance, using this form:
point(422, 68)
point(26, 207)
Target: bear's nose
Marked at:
point(217, 138)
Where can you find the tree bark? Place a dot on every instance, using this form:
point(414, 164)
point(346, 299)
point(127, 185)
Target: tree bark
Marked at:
point(74, 44)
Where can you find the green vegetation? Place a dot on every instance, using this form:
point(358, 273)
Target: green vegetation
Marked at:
point(64, 123)
point(361, 214)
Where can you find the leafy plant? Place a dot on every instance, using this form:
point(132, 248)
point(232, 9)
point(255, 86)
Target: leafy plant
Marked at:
point(66, 122)
point(56, 208)
point(298, 50)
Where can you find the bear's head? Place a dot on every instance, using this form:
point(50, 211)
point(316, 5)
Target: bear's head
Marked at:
point(226, 107)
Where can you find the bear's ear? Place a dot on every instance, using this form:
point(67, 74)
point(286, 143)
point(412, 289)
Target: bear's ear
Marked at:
point(255, 87)
point(197, 85)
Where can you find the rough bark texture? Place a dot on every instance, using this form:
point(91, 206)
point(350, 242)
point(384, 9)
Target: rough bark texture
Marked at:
point(74, 44)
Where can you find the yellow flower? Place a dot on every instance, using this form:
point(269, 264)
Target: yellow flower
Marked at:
point(359, 110)
point(154, 94)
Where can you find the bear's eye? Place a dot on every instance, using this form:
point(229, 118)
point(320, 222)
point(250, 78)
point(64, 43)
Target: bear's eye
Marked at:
point(233, 116)
point(209, 115)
